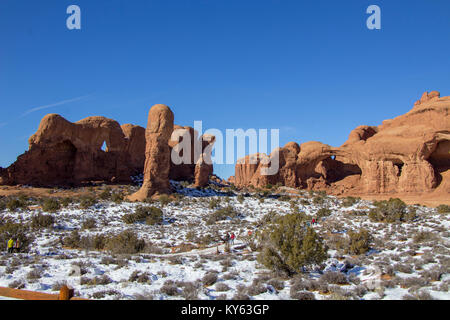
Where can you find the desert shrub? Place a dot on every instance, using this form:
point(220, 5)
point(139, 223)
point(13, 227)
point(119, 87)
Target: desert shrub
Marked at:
point(350, 201)
point(392, 210)
point(302, 295)
point(320, 199)
point(169, 288)
point(290, 246)
point(87, 202)
point(16, 203)
point(164, 200)
point(65, 202)
point(424, 236)
point(100, 280)
point(276, 283)
point(12, 230)
point(323, 212)
point(359, 242)
point(402, 267)
point(209, 278)
point(39, 221)
point(116, 197)
point(214, 203)
point(140, 277)
point(413, 282)
point(105, 194)
point(89, 223)
point(284, 198)
point(256, 289)
point(16, 284)
point(443, 209)
point(222, 214)
point(269, 217)
point(35, 274)
point(221, 287)
point(420, 295)
point(151, 215)
point(97, 242)
point(72, 240)
point(334, 277)
point(51, 205)
point(240, 198)
point(125, 242)
point(190, 290)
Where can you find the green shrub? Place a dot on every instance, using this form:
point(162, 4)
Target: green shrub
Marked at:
point(323, 212)
point(126, 242)
point(39, 221)
point(164, 200)
point(105, 194)
point(290, 246)
point(66, 201)
point(392, 210)
point(222, 214)
point(284, 198)
point(72, 240)
point(349, 201)
point(116, 197)
point(16, 203)
point(151, 215)
point(89, 223)
point(12, 230)
point(240, 198)
point(87, 202)
point(214, 203)
point(359, 242)
point(443, 209)
point(51, 205)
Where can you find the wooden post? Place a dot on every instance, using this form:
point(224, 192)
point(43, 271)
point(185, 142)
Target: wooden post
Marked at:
point(65, 293)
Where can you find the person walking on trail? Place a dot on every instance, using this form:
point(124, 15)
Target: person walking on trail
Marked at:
point(10, 245)
point(227, 238)
point(17, 246)
point(233, 236)
point(313, 221)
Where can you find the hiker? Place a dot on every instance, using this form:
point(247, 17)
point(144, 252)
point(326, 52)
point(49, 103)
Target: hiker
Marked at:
point(17, 246)
point(233, 236)
point(313, 222)
point(10, 245)
point(227, 238)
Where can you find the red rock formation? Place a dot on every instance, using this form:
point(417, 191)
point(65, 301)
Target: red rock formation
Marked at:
point(65, 153)
point(157, 153)
point(407, 154)
point(62, 153)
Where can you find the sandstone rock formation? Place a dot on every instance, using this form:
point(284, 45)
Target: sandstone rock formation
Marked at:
point(157, 153)
point(62, 153)
point(410, 153)
point(65, 153)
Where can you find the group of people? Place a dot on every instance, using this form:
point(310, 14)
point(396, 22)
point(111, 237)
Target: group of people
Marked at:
point(13, 245)
point(229, 238)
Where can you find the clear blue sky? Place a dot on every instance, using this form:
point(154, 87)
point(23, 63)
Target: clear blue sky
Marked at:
point(310, 68)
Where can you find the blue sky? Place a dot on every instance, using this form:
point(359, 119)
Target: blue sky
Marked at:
point(310, 68)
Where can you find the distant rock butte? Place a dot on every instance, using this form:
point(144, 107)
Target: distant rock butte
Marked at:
point(410, 153)
point(62, 153)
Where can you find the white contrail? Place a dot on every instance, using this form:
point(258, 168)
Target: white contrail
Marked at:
point(54, 105)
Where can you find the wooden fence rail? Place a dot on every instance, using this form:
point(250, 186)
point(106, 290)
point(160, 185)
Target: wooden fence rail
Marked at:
point(64, 294)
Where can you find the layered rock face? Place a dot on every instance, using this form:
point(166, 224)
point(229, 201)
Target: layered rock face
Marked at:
point(410, 153)
point(161, 140)
point(65, 153)
point(62, 153)
point(157, 153)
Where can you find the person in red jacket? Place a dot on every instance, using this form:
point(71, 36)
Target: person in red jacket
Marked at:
point(232, 237)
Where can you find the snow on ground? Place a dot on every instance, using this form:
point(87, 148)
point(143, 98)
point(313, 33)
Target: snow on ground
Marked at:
point(166, 271)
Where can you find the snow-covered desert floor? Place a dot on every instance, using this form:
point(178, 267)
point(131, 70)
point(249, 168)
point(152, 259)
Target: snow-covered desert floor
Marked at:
point(184, 257)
